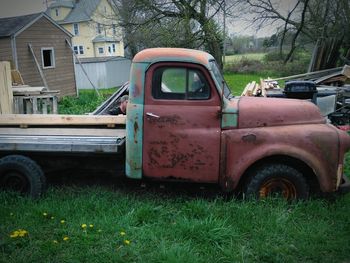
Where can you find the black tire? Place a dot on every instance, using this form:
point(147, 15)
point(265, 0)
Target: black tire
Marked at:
point(276, 180)
point(21, 174)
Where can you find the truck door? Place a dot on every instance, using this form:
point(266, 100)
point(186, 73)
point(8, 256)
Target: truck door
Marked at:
point(181, 136)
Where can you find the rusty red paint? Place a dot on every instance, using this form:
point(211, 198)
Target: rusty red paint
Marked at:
point(262, 112)
point(307, 143)
point(176, 145)
point(172, 54)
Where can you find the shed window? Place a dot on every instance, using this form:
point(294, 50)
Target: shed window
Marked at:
point(100, 50)
point(48, 57)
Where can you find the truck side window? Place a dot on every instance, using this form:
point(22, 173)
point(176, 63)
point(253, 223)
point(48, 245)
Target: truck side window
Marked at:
point(179, 84)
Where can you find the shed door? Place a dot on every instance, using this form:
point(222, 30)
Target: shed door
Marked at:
point(181, 123)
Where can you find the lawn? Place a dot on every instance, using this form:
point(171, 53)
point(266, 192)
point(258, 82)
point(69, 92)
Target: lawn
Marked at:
point(250, 56)
point(130, 224)
point(110, 220)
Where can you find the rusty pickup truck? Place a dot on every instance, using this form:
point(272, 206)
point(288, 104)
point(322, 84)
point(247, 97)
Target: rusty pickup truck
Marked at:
point(183, 124)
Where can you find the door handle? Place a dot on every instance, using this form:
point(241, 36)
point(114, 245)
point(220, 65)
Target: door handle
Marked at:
point(150, 114)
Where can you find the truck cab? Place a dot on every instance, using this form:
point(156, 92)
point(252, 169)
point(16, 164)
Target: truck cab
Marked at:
point(184, 124)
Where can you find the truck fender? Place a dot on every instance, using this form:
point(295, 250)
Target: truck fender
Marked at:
point(236, 167)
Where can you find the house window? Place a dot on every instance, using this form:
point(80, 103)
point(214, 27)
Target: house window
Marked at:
point(179, 83)
point(48, 57)
point(79, 50)
point(56, 11)
point(114, 29)
point(76, 29)
point(109, 49)
point(101, 50)
point(99, 30)
point(113, 48)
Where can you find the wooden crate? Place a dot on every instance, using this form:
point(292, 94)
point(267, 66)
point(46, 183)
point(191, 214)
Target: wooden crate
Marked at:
point(41, 104)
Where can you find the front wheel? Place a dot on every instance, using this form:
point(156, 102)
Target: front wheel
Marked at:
point(21, 174)
point(276, 180)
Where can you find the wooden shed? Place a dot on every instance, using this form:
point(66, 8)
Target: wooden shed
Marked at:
point(53, 64)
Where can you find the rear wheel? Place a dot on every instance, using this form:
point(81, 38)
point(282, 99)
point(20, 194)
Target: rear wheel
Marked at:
point(276, 180)
point(21, 174)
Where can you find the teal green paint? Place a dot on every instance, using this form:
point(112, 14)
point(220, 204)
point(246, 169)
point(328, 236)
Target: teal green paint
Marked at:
point(134, 122)
point(229, 117)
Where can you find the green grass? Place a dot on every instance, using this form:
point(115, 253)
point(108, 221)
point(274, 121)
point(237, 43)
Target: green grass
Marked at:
point(87, 101)
point(250, 56)
point(170, 227)
point(237, 82)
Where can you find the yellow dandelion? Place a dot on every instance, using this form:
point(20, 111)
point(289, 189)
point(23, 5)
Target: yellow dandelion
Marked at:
point(44, 214)
point(83, 226)
point(91, 225)
point(14, 234)
point(22, 233)
point(127, 242)
point(63, 221)
point(65, 238)
point(122, 233)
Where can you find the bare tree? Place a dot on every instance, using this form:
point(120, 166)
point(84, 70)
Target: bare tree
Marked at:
point(316, 20)
point(182, 23)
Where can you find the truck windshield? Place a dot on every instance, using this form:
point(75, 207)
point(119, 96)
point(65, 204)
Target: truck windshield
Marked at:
point(220, 79)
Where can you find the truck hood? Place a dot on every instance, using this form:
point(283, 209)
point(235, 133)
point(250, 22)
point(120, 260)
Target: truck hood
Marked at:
point(264, 112)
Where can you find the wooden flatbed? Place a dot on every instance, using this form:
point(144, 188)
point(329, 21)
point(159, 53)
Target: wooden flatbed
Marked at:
point(62, 133)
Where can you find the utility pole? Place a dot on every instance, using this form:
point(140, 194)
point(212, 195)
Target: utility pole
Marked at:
point(224, 40)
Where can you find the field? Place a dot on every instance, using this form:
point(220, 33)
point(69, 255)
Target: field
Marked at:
point(103, 219)
point(251, 56)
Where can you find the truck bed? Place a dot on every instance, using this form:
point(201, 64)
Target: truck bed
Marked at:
point(62, 133)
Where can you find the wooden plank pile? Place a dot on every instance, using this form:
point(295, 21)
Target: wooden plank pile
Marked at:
point(260, 89)
point(331, 77)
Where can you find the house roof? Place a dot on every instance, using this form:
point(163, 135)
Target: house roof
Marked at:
point(82, 11)
point(10, 26)
point(101, 59)
point(63, 3)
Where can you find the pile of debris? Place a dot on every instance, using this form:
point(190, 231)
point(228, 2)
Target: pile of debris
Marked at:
point(328, 89)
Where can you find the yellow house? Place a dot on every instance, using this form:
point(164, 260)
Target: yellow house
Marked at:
point(93, 25)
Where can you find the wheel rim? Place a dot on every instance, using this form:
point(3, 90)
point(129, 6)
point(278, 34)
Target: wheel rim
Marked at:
point(15, 181)
point(278, 186)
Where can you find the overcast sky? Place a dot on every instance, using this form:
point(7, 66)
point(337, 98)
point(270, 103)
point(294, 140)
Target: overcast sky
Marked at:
point(10, 8)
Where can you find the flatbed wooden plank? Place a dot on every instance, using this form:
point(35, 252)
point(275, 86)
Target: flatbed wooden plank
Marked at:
point(25, 120)
point(97, 132)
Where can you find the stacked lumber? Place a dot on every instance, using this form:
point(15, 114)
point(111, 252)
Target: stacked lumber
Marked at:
point(6, 100)
point(260, 89)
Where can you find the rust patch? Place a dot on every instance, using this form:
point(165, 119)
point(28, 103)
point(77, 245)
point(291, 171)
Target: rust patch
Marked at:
point(250, 138)
point(173, 120)
point(136, 129)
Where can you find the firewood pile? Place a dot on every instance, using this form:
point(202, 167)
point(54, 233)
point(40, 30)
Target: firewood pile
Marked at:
point(335, 77)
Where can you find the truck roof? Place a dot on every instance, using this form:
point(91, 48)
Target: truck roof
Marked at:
point(153, 55)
